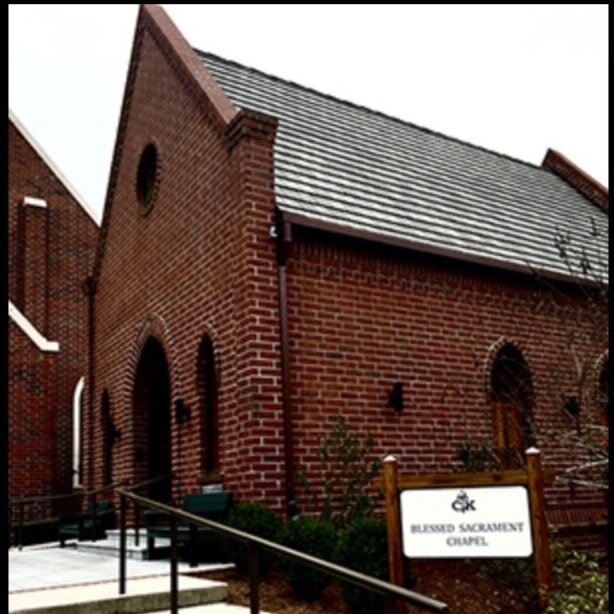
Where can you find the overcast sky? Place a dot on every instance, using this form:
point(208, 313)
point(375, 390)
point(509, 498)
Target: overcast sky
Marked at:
point(515, 79)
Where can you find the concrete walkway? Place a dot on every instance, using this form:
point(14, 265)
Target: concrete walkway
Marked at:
point(48, 576)
point(47, 565)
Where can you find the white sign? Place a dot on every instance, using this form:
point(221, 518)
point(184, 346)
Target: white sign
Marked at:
point(481, 522)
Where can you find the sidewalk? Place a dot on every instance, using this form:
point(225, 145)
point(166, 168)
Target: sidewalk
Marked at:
point(46, 576)
point(47, 565)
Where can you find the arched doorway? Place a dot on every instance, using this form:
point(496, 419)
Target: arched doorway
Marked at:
point(152, 400)
point(512, 404)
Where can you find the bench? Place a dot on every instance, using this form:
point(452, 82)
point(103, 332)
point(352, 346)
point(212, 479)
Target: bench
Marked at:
point(82, 524)
point(212, 506)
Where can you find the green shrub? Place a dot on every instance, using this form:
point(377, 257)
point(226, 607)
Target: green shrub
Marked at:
point(317, 538)
point(477, 456)
point(362, 546)
point(348, 468)
point(579, 585)
point(254, 518)
point(516, 576)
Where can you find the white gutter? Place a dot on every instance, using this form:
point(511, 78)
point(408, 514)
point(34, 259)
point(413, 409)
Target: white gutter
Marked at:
point(76, 433)
point(28, 328)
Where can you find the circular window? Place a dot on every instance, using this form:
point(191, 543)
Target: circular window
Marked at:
point(146, 177)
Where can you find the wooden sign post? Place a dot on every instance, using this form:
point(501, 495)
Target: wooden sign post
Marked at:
point(436, 484)
point(393, 524)
point(539, 526)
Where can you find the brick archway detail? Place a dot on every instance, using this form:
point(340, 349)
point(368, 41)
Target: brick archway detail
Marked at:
point(598, 366)
point(156, 327)
point(491, 356)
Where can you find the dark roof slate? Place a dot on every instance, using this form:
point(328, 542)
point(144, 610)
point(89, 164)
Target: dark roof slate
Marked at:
point(339, 163)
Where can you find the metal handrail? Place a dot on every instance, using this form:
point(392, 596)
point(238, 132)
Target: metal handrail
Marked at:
point(90, 494)
point(137, 509)
point(22, 502)
point(148, 482)
point(391, 592)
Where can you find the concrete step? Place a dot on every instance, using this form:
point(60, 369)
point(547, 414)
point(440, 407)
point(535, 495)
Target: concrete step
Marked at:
point(110, 545)
point(114, 535)
point(107, 547)
point(142, 595)
point(213, 608)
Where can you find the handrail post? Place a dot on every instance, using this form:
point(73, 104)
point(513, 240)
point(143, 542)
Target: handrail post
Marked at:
point(174, 557)
point(393, 525)
point(94, 516)
point(122, 545)
point(22, 512)
point(10, 521)
point(390, 605)
point(137, 514)
point(254, 580)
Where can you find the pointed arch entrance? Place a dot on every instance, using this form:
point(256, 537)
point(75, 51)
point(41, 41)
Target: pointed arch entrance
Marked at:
point(152, 419)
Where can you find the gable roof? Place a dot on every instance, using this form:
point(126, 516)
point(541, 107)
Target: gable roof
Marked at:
point(342, 166)
point(52, 166)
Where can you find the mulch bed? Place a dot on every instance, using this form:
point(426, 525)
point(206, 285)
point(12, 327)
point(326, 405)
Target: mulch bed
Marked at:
point(457, 583)
point(276, 595)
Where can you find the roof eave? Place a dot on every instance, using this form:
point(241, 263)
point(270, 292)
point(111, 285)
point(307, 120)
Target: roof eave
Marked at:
point(458, 255)
point(52, 166)
point(37, 338)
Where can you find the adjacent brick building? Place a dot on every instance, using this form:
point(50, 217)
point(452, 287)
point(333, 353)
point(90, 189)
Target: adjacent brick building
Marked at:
point(271, 258)
point(51, 243)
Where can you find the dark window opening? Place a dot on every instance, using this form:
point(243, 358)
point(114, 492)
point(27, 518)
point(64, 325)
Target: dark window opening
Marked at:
point(108, 431)
point(572, 407)
point(207, 388)
point(147, 175)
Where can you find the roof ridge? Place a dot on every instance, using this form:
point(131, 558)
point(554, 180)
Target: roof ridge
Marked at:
point(373, 111)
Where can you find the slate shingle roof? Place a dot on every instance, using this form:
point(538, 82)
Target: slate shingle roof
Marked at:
point(346, 165)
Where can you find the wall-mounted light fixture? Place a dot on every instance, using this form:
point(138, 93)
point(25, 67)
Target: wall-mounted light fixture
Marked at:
point(572, 407)
point(395, 397)
point(182, 411)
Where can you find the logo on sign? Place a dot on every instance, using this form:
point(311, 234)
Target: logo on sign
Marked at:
point(462, 503)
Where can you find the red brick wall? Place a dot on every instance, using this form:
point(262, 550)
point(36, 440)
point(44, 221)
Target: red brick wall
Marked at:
point(32, 462)
point(50, 255)
point(362, 317)
point(201, 262)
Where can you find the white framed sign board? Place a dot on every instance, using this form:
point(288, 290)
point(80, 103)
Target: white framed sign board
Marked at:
point(473, 522)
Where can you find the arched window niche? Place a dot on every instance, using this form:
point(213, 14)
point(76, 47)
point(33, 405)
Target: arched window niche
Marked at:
point(108, 439)
point(511, 392)
point(207, 390)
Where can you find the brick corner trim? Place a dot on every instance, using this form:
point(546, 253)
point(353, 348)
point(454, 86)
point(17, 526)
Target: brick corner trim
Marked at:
point(577, 178)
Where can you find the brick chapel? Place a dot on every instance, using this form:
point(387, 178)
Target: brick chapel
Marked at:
point(271, 257)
